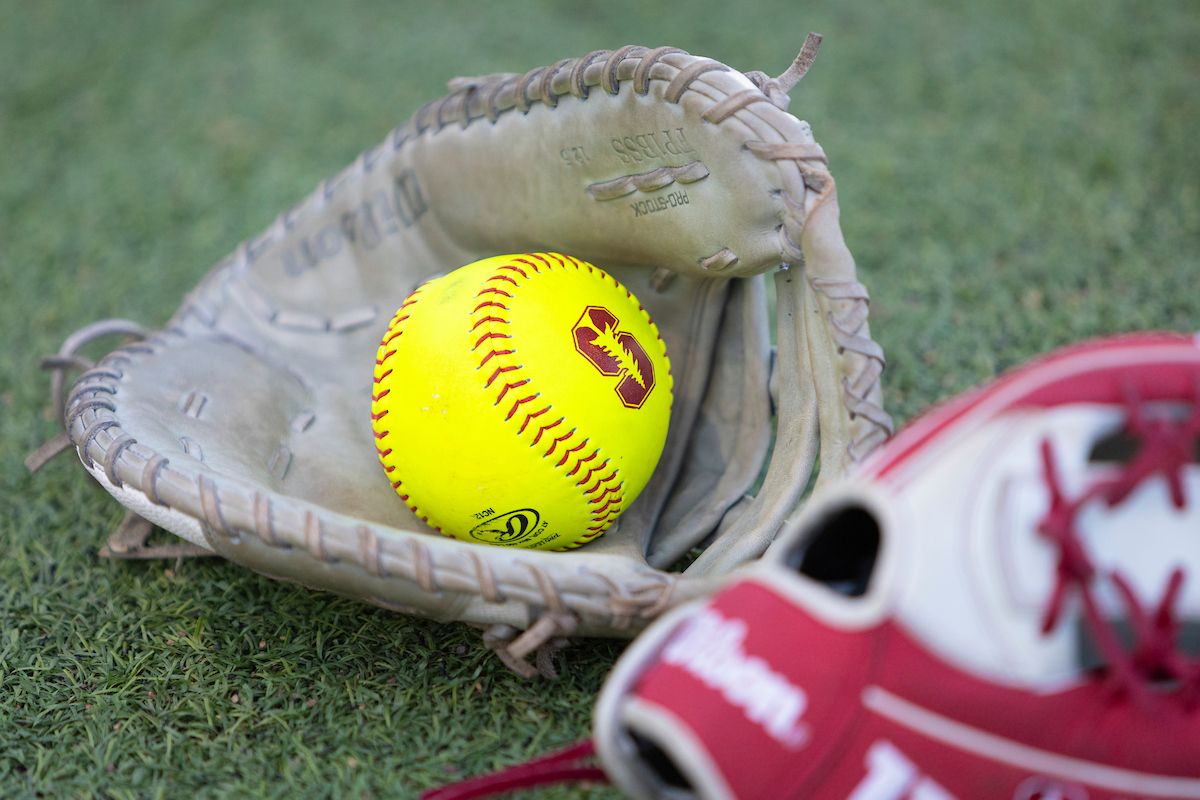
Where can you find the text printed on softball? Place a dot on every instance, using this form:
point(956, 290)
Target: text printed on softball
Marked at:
point(511, 528)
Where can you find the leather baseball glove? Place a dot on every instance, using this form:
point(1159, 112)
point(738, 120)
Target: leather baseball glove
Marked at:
point(1004, 603)
point(244, 425)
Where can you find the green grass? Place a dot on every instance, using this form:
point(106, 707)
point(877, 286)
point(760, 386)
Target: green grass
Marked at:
point(1013, 177)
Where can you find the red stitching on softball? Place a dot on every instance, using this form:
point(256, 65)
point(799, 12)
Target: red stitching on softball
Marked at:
point(554, 444)
point(602, 509)
point(536, 269)
point(574, 449)
point(383, 453)
point(545, 428)
point(488, 357)
point(381, 434)
point(599, 527)
point(513, 385)
point(489, 319)
point(592, 472)
point(416, 509)
point(393, 331)
point(581, 462)
point(489, 304)
point(610, 504)
point(497, 373)
point(492, 290)
point(516, 269)
point(607, 479)
point(491, 335)
point(503, 278)
point(607, 522)
point(607, 491)
point(529, 417)
point(518, 404)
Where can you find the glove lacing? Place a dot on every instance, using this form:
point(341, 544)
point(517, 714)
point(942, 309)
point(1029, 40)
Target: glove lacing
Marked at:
point(1154, 669)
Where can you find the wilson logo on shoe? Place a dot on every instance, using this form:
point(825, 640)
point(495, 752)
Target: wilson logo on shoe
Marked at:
point(615, 353)
point(711, 648)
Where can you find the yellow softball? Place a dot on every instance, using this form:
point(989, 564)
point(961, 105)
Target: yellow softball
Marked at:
point(521, 400)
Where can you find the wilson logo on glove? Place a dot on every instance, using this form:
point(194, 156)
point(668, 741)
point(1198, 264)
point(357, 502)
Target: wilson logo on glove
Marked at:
point(615, 352)
point(712, 649)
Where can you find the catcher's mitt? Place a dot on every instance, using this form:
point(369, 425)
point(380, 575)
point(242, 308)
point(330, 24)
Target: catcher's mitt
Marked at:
point(999, 606)
point(244, 427)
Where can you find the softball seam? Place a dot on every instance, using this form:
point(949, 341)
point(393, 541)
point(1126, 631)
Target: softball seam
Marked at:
point(605, 495)
point(386, 350)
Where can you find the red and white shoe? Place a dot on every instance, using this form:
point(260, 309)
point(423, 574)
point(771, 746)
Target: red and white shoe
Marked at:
point(999, 605)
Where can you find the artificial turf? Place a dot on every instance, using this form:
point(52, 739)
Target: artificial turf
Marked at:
point(1013, 176)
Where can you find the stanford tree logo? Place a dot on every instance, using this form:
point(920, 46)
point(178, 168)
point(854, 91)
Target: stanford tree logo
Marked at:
point(615, 353)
